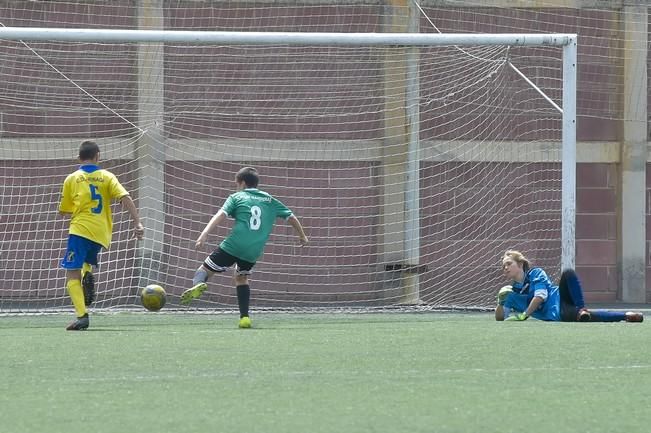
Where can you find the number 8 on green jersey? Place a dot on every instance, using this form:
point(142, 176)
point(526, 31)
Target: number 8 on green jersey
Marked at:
point(255, 213)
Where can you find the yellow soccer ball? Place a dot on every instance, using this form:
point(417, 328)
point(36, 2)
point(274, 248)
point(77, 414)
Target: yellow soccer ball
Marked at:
point(153, 297)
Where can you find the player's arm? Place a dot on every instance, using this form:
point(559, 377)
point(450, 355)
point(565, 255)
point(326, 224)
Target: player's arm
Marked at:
point(535, 303)
point(130, 206)
point(212, 224)
point(294, 222)
point(539, 293)
point(66, 206)
point(539, 297)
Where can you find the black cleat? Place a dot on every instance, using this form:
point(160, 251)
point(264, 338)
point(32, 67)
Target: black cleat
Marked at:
point(88, 284)
point(81, 324)
point(583, 315)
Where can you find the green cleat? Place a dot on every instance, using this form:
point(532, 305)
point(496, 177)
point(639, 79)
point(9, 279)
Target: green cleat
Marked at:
point(245, 322)
point(193, 293)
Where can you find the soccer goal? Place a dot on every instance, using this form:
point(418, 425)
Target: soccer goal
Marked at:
point(413, 160)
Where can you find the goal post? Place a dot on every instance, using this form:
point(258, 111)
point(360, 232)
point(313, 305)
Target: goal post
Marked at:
point(397, 150)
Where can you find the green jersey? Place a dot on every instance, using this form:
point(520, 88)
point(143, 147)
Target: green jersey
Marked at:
point(255, 213)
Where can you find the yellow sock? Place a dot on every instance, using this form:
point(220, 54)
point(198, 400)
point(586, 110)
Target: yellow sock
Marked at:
point(77, 295)
point(86, 268)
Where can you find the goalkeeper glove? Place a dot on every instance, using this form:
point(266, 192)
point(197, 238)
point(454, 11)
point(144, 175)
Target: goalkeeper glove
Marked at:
point(503, 294)
point(518, 317)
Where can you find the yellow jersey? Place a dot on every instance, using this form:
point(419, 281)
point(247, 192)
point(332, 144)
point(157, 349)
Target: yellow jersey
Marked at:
point(87, 195)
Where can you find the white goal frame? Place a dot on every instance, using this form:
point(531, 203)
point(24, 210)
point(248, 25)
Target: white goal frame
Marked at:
point(568, 42)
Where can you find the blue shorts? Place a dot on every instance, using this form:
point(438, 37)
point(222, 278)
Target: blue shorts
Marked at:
point(517, 302)
point(80, 250)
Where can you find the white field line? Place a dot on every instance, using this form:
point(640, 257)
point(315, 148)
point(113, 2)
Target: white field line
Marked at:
point(412, 373)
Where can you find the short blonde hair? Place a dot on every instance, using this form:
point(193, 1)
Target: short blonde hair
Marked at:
point(518, 257)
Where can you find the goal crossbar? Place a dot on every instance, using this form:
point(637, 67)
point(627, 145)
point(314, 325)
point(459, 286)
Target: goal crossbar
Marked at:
point(283, 38)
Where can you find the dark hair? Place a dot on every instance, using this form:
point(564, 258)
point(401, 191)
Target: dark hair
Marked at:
point(249, 176)
point(88, 150)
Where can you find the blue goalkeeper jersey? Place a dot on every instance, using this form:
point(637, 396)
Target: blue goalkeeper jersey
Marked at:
point(536, 283)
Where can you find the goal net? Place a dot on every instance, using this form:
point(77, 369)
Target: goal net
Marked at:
point(412, 167)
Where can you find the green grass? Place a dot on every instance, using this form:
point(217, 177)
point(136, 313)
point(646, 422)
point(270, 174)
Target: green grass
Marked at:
point(322, 373)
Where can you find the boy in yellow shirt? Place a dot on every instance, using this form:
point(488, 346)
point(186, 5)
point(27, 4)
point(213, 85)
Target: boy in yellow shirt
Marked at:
point(87, 195)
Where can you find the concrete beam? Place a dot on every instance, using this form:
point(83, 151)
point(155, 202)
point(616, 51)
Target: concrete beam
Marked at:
point(633, 160)
point(150, 148)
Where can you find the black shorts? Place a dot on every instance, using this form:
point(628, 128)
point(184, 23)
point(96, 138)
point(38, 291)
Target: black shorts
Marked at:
point(568, 312)
point(220, 261)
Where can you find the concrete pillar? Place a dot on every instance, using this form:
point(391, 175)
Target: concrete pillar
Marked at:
point(151, 147)
point(633, 160)
point(399, 249)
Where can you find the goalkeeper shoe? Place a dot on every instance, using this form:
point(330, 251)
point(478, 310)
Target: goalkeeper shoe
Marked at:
point(583, 315)
point(81, 324)
point(193, 293)
point(634, 316)
point(88, 284)
point(245, 322)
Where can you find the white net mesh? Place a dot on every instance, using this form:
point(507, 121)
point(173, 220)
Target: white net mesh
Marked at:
point(314, 122)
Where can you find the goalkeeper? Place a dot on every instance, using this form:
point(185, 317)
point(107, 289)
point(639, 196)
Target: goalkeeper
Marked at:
point(255, 213)
point(532, 294)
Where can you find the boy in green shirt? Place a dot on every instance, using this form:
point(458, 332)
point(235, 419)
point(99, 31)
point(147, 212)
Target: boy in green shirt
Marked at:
point(255, 213)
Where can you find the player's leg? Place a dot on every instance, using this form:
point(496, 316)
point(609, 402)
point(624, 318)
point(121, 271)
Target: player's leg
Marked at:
point(87, 277)
point(88, 283)
point(198, 285)
point(72, 262)
point(572, 297)
point(218, 261)
point(241, 278)
point(243, 298)
point(569, 313)
point(73, 284)
point(616, 316)
point(571, 294)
